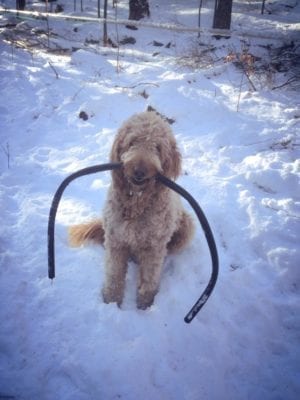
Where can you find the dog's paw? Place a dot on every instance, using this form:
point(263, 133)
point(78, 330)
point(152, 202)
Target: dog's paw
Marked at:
point(145, 300)
point(111, 296)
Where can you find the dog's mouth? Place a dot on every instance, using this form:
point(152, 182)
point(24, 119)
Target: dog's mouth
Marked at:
point(140, 178)
point(139, 181)
point(139, 175)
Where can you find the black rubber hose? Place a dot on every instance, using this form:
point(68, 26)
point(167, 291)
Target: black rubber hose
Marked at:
point(210, 241)
point(55, 203)
point(172, 185)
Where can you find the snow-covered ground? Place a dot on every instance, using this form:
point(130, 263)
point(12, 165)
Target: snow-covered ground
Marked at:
point(241, 162)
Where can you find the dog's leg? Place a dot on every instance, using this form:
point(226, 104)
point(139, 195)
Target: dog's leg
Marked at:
point(183, 235)
point(149, 274)
point(115, 274)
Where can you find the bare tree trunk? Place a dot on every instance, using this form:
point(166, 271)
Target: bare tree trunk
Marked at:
point(222, 14)
point(20, 4)
point(138, 9)
point(98, 8)
point(199, 16)
point(105, 38)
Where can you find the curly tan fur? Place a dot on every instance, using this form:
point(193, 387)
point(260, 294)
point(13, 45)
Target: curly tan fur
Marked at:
point(143, 220)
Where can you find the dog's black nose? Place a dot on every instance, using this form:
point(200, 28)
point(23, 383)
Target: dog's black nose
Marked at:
point(140, 174)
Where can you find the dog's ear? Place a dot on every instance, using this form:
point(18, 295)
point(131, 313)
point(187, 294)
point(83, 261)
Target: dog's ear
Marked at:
point(115, 157)
point(115, 150)
point(172, 164)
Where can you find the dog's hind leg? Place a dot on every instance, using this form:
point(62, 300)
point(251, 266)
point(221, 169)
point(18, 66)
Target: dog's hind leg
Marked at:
point(183, 235)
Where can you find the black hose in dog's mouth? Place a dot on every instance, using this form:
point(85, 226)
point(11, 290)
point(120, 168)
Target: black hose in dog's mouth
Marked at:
point(210, 241)
point(55, 203)
point(167, 182)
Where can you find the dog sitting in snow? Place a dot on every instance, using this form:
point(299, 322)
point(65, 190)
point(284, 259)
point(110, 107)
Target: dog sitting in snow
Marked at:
point(143, 220)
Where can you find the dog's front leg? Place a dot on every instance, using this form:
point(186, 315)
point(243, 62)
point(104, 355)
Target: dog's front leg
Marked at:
point(115, 273)
point(148, 280)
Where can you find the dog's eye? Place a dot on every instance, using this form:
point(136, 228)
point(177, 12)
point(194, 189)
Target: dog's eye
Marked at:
point(131, 143)
point(158, 148)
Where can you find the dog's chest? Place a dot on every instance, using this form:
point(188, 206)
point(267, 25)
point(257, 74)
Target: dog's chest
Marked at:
point(139, 222)
point(136, 208)
point(142, 221)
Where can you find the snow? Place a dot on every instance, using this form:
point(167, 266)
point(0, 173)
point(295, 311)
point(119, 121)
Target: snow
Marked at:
point(240, 161)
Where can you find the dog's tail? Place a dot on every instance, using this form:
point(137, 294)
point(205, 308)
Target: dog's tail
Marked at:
point(92, 232)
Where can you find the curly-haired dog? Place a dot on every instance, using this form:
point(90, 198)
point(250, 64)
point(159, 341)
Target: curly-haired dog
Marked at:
point(143, 219)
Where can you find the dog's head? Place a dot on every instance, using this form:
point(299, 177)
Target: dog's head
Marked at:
point(145, 146)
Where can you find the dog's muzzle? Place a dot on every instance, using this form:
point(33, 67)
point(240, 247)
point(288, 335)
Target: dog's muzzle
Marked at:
point(140, 177)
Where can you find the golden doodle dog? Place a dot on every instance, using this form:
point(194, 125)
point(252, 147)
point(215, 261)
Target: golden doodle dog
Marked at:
point(143, 220)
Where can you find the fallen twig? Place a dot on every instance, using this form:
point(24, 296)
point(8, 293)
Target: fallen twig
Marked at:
point(138, 84)
point(288, 82)
point(6, 151)
point(53, 69)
